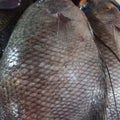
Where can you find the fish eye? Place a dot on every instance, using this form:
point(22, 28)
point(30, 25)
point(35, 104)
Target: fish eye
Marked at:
point(108, 6)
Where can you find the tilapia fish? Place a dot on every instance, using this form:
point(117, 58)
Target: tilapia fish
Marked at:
point(105, 21)
point(8, 19)
point(51, 68)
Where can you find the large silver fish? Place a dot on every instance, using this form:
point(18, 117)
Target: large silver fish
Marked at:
point(105, 21)
point(51, 68)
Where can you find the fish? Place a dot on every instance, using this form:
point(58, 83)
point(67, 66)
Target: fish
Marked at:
point(51, 68)
point(105, 22)
point(8, 20)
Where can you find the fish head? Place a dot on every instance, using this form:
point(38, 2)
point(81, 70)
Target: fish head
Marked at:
point(106, 12)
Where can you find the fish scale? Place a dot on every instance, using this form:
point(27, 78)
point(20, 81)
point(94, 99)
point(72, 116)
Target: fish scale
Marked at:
point(8, 20)
point(50, 71)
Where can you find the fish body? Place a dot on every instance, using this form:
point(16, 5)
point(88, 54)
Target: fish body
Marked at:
point(51, 68)
point(105, 21)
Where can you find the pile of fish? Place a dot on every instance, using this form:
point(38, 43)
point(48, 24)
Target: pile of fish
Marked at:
point(59, 63)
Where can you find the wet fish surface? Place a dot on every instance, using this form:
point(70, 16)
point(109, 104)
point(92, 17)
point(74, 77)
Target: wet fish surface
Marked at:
point(8, 19)
point(51, 68)
point(105, 21)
